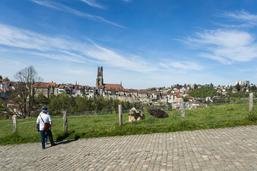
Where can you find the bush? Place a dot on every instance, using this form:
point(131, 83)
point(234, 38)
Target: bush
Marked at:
point(204, 91)
point(158, 113)
point(83, 104)
point(252, 116)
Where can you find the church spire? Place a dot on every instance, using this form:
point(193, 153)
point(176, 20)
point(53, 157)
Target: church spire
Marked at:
point(99, 79)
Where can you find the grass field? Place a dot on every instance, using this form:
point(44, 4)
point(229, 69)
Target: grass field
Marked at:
point(86, 126)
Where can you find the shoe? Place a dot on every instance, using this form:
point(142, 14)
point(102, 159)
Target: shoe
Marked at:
point(53, 144)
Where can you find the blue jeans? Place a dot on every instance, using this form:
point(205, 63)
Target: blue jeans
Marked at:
point(44, 135)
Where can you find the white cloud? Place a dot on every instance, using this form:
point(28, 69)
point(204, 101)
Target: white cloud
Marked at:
point(181, 65)
point(46, 4)
point(186, 65)
point(242, 16)
point(63, 8)
point(225, 46)
point(230, 44)
point(68, 50)
point(239, 19)
point(226, 38)
point(117, 59)
point(93, 3)
point(127, 0)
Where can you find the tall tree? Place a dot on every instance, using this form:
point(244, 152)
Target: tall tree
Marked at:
point(24, 89)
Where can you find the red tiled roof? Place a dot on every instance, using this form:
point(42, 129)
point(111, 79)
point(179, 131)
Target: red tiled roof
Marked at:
point(44, 85)
point(113, 87)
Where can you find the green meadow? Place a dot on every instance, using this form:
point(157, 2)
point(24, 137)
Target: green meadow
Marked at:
point(87, 126)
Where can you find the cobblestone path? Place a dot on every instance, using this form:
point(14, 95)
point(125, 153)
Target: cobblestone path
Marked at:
point(214, 149)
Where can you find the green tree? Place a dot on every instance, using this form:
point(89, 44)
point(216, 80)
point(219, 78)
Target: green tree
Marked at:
point(2, 108)
point(59, 103)
point(204, 91)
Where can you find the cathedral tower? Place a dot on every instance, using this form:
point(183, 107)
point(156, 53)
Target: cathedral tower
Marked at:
point(100, 77)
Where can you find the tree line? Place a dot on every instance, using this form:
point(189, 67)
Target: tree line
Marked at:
point(83, 104)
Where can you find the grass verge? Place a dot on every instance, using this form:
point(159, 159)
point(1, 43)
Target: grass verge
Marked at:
point(89, 126)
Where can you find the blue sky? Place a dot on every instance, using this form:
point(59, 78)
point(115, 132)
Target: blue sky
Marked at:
point(141, 43)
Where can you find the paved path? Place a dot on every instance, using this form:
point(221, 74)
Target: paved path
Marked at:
point(216, 149)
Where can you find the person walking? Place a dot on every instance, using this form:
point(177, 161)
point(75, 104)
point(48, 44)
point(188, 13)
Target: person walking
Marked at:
point(44, 123)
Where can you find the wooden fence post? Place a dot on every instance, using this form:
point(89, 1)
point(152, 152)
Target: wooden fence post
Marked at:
point(120, 115)
point(14, 123)
point(183, 112)
point(65, 122)
point(250, 102)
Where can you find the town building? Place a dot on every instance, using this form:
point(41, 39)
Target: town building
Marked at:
point(243, 83)
point(45, 89)
point(6, 86)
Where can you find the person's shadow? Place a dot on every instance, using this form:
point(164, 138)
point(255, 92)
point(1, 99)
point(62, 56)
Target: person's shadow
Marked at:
point(61, 139)
point(61, 142)
point(65, 141)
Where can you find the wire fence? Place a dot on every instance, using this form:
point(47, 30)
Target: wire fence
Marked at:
point(102, 112)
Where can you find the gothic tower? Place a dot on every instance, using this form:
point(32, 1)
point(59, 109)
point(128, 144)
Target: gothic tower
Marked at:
point(100, 77)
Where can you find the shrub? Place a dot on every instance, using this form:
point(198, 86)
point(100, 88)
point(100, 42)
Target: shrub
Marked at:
point(252, 116)
point(158, 113)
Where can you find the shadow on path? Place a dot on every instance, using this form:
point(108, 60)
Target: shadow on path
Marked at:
point(64, 141)
point(61, 142)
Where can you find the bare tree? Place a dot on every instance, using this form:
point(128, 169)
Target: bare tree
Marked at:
point(24, 89)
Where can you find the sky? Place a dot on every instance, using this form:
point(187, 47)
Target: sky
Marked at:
point(141, 43)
